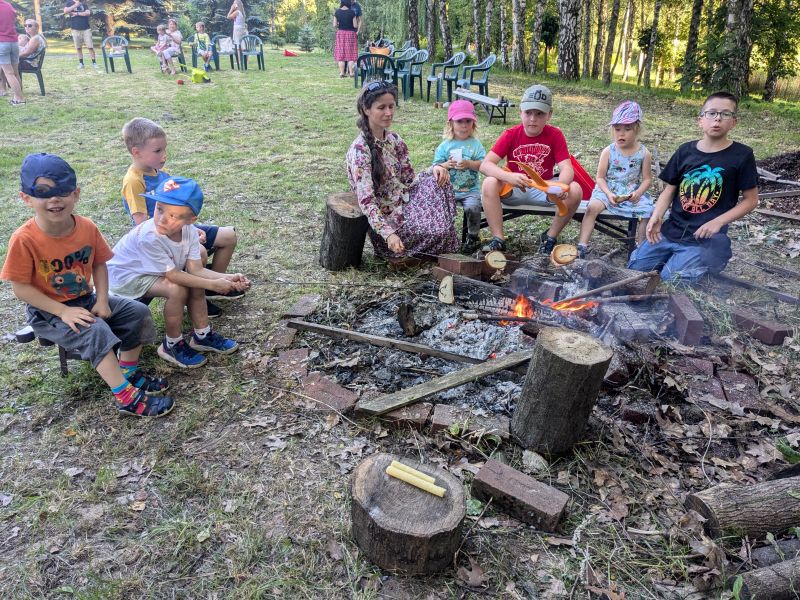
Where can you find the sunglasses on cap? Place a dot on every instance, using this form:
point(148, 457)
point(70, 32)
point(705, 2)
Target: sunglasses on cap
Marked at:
point(377, 85)
point(45, 191)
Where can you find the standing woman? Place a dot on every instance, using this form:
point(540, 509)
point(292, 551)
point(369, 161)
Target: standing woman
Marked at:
point(239, 18)
point(346, 50)
point(408, 215)
point(9, 51)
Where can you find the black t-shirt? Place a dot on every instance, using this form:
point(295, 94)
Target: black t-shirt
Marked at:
point(77, 23)
point(345, 19)
point(708, 185)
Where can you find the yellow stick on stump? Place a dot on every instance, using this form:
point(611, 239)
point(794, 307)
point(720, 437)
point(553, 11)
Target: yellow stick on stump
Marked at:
point(415, 481)
point(413, 471)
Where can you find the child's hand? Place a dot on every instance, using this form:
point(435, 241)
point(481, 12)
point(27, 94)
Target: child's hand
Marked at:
point(242, 282)
point(707, 230)
point(613, 200)
point(223, 285)
point(461, 165)
point(518, 180)
point(201, 235)
point(449, 164)
point(101, 309)
point(653, 232)
point(395, 244)
point(73, 316)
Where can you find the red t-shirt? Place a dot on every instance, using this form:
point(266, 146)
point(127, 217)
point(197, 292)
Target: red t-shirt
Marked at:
point(59, 267)
point(8, 22)
point(541, 153)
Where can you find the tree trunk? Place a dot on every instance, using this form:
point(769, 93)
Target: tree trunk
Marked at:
point(690, 56)
point(776, 582)
point(651, 47)
point(612, 35)
point(487, 27)
point(771, 83)
point(626, 48)
point(533, 58)
point(732, 72)
point(344, 234)
point(561, 386)
point(503, 35)
point(568, 12)
point(413, 23)
point(477, 39)
point(444, 25)
point(401, 527)
point(586, 12)
point(748, 510)
point(621, 37)
point(598, 44)
point(37, 12)
point(430, 27)
point(517, 34)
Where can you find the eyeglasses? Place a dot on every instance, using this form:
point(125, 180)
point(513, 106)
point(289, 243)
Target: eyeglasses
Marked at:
point(722, 114)
point(44, 191)
point(377, 85)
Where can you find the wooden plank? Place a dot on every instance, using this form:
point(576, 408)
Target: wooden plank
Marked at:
point(779, 215)
point(782, 296)
point(780, 194)
point(390, 402)
point(778, 270)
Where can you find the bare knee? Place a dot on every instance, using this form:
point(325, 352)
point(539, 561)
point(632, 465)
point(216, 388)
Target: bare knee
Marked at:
point(226, 238)
point(595, 207)
point(175, 292)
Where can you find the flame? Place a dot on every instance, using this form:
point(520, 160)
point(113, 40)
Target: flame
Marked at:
point(571, 306)
point(522, 309)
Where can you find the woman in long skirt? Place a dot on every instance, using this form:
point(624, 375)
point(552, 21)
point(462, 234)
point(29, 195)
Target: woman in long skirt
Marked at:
point(346, 49)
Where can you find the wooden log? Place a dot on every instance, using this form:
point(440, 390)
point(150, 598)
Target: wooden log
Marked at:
point(751, 510)
point(400, 527)
point(779, 215)
point(564, 377)
point(776, 582)
point(478, 294)
point(344, 234)
point(782, 296)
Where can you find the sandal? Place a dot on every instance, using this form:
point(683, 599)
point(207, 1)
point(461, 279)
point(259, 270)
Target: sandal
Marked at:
point(143, 405)
point(16, 102)
point(152, 386)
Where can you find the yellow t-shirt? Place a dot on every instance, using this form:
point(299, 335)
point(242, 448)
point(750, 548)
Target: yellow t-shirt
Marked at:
point(136, 182)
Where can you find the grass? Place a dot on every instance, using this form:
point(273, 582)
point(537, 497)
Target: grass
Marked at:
point(225, 513)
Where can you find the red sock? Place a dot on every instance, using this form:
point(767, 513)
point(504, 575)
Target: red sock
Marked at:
point(124, 393)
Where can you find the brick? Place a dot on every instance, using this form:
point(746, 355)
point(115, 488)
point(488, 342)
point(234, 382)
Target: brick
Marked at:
point(331, 396)
point(771, 333)
point(700, 378)
point(281, 337)
point(519, 495)
point(439, 273)
point(741, 389)
point(461, 265)
point(445, 415)
point(695, 366)
point(617, 373)
point(304, 306)
point(292, 363)
point(688, 322)
point(639, 412)
point(414, 416)
point(628, 324)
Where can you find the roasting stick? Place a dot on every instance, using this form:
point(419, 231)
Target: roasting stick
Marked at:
point(611, 286)
point(415, 481)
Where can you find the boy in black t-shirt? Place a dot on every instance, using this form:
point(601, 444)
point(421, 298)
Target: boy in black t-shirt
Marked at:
point(703, 181)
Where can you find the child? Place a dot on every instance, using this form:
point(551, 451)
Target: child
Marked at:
point(50, 263)
point(540, 146)
point(147, 144)
point(22, 41)
point(462, 154)
point(623, 174)
point(703, 181)
point(203, 43)
point(163, 42)
point(161, 258)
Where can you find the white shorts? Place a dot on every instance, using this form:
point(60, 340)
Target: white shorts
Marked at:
point(82, 38)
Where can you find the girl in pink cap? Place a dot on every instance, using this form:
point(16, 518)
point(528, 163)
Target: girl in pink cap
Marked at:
point(623, 174)
point(462, 153)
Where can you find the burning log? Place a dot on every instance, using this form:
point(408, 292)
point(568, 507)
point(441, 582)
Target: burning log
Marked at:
point(402, 528)
point(344, 234)
point(777, 582)
point(564, 376)
point(476, 294)
point(651, 276)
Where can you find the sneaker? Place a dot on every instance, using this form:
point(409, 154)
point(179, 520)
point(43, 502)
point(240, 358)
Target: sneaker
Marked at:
point(16, 102)
point(207, 68)
point(152, 386)
point(181, 355)
point(81, 66)
point(143, 405)
point(583, 250)
point(95, 67)
point(213, 342)
point(213, 310)
point(494, 244)
point(232, 295)
point(546, 243)
point(471, 244)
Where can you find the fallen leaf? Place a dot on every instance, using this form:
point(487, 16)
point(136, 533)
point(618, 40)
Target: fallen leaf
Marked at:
point(229, 506)
point(138, 505)
point(203, 535)
point(334, 549)
point(73, 471)
point(559, 541)
point(332, 421)
point(70, 432)
point(474, 576)
point(5, 499)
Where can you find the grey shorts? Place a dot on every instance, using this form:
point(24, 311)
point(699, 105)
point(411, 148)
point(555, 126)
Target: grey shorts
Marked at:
point(9, 53)
point(470, 200)
point(129, 326)
point(529, 197)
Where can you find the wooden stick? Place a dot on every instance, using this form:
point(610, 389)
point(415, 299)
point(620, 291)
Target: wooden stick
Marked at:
point(478, 317)
point(782, 296)
point(612, 286)
point(777, 270)
point(631, 298)
point(415, 481)
point(779, 215)
point(413, 471)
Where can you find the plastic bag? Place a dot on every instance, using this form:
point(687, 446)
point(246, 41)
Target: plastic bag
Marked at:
point(200, 76)
point(225, 45)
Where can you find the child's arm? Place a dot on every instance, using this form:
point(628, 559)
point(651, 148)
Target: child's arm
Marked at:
point(647, 178)
point(490, 168)
point(748, 202)
point(653, 232)
point(195, 267)
point(602, 175)
point(100, 277)
point(190, 280)
point(71, 315)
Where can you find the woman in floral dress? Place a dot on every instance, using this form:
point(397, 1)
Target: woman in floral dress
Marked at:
point(408, 215)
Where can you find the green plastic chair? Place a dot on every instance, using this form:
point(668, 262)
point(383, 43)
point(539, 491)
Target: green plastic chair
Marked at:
point(403, 66)
point(251, 45)
point(33, 64)
point(192, 41)
point(115, 46)
point(406, 45)
point(416, 70)
point(478, 75)
point(375, 67)
point(449, 74)
point(216, 51)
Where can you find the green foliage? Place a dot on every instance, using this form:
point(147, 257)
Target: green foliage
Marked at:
point(776, 35)
point(305, 38)
point(791, 455)
point(738, 584)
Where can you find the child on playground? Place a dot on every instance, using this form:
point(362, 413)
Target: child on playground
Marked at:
point(462, 153)
point(161, 258)
point(147, 143)
point(703, 181)
point(163, 42)
point(203, 43)
point(541, 147)
point(623, 174)
point(51, 263)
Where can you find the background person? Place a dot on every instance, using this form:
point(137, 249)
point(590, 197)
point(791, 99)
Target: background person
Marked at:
point(175, 49)
point(346, 50)
point(9, 51)
point(79, 14)
point(239, 18)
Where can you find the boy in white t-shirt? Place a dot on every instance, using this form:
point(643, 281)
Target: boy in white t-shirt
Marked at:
point(161, 258)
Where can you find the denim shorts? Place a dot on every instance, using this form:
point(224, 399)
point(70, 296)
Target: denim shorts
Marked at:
point(9, 53)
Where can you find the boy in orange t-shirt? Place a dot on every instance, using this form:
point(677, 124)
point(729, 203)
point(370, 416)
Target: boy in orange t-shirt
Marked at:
point(51, 262)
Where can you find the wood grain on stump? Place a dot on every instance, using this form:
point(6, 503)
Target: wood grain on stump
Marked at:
point(400, 527)
point(344, 234)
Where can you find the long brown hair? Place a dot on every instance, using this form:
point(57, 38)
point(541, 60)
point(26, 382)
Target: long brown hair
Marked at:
point(369, 94)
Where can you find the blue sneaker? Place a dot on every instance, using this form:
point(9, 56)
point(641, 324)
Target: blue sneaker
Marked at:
point(143, 405)
point(213, 342)
point(181, 355)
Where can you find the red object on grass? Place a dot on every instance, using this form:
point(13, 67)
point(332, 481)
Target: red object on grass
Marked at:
point(289, 53)
point(582, 178)
point(179, 82)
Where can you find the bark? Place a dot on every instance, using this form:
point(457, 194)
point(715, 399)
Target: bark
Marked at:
point(690, 56)
point(345, 232)
point(37, 12)
point(776, 582)
point(533, 57)
point(627, 39)
point(444, 25)
point(430, 27)
point(732, 72)
point(770, 84)
point(587, 36)
point(568, 12)
point(651, 47)
point(477, 39)
point(517, 34)
point(503, 34)
point(413, 23)
point(621, 37)
point(487, 28)
point(612, 33)
point(109, 22)
point(598, 44)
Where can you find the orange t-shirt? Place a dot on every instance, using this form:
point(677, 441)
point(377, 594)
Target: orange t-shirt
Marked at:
point(59, 267)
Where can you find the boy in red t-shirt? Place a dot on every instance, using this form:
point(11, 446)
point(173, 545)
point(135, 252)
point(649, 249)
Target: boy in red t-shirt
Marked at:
point(51, 263)
point(540, 146)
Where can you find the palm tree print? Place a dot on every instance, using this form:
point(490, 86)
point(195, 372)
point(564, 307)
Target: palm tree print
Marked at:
point(700, 189)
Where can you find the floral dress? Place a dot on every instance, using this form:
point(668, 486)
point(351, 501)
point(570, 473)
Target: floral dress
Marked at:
point(418, 210)
point(623, 176)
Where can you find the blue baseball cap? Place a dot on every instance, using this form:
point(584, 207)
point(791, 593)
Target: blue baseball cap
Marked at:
point(50, 166)
point(178, 191)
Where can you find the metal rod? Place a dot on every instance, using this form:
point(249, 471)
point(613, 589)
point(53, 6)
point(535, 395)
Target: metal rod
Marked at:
point(631, 298)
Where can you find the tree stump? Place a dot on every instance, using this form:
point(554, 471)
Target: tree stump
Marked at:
point(564, 377)
point(400, 527)
point(776, 582)
point(344, 234)
point(750, 510)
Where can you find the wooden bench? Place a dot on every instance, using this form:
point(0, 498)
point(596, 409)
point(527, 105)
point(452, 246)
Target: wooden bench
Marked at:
point(26, 335)
point(489, 104)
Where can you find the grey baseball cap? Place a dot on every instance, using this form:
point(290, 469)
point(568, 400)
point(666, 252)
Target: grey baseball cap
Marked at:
point(538, 97)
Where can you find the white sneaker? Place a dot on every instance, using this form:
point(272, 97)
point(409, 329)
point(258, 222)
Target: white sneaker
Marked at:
point(94, 64)
point(81, 66)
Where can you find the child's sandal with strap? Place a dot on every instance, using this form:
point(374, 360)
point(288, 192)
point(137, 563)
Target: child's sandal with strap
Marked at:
point(143, 405)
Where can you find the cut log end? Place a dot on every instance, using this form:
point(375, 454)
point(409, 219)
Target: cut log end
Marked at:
point(575, 346)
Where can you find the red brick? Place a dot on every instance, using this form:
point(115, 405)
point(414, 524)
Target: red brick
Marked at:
point(770, 332)
point(461, 265)
point(330, 395)
point(445, 415)
point(519, 495)
point(292, 363)
point(699, 378)
point(741, 389)
point(281, 337)
point(439, 273)
point(415, 415)
point(688, 321)
point(304, 306)
point(639, 412)
point(695, 366)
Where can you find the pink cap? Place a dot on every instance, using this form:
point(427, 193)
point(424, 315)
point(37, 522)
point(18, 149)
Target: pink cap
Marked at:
point(461, 109)
point(627, 113)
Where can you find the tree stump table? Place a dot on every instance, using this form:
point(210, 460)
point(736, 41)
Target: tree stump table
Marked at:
point(344, 234)
point(403, 528)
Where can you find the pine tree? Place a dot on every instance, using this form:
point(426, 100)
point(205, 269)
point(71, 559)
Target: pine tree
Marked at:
point(305, 38)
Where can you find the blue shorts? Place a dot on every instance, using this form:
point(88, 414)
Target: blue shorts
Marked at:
point(211, 235)
point(9, 53)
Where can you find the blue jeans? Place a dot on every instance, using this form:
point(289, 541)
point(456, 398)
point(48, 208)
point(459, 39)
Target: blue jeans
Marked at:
point(682, 261)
